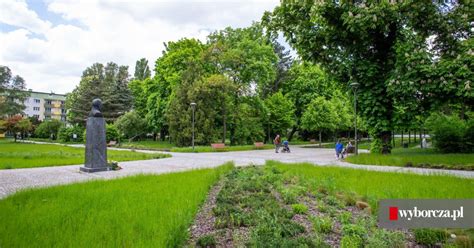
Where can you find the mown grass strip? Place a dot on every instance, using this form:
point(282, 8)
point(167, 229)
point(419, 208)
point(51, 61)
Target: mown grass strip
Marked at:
point(375, 185)
point(27, 155)
point(138, 211)
point(416, 157)
point(226, 149)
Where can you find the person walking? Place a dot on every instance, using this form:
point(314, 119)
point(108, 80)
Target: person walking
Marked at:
point(339, 148)
point(277, 142)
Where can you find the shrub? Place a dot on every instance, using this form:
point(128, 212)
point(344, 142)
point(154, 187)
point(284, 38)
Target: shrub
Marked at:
point(111, 133)
point(48, 129)
point(469, 137)
point(131, 125)
point(299, 208)
point(65, 134)
point(430, 236)
point(450, 134)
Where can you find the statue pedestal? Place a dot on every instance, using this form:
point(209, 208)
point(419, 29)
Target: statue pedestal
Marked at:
point(96, 146)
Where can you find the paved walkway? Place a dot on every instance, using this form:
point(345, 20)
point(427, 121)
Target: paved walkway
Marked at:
point(17, 179)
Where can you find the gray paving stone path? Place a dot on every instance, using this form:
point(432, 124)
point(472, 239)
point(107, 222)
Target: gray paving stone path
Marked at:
point(18, 179)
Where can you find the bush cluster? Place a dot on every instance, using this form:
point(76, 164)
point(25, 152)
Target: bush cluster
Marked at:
point(65, 134)
point(451, 134)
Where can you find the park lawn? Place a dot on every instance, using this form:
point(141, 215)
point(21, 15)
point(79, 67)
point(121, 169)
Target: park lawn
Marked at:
point(27, 155)
point(226, 149)
point(148, 145)
point(138, 211)
point(416, 157)
point(375, 185)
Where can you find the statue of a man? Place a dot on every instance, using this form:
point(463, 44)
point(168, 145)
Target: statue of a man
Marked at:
point(96, 106)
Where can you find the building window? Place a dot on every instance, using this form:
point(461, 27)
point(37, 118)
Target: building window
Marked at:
point(36, 116)
point(62, 102)
point(48, 101)
point(48, 109)
point(63, 111)
point(37, 101)
point(36, 108)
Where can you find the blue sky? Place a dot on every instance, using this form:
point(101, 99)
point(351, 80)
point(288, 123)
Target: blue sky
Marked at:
point(49, 43)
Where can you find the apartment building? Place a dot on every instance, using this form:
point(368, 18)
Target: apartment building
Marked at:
point(46, 106)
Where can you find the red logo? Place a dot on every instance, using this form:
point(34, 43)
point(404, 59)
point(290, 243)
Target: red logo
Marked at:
point(393, 213)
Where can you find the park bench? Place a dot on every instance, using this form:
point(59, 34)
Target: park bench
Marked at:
point(112, 143)
point(258, 145)
point(218, 146)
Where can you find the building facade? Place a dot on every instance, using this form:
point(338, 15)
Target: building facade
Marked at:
point(45, 106)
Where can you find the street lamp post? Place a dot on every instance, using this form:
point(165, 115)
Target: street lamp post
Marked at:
point(268, 129)
point(354, 86)
point(193, 106)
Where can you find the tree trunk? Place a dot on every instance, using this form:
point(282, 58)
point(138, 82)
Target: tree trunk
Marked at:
point(385, 137)
point(421, 139)
point(225, 126)
point(409, 136)
point(292, 132)
point(393, 138)
point(320, 145)
point(402, 138)
point(414, 135)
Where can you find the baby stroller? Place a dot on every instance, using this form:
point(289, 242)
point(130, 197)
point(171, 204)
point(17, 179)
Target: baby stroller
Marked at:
point(286, 148)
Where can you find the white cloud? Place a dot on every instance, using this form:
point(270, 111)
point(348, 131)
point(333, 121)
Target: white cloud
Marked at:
point(16, 13)
point(122, 32)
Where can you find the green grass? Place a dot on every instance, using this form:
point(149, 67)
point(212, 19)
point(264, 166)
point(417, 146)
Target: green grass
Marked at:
point(417, 157)
point(26, 155)
point(226, 149)
point(139, 211)
point(148, 145)
point(374, 185)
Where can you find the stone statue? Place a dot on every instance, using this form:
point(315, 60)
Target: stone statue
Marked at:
point(96, 108)
point(96, 145)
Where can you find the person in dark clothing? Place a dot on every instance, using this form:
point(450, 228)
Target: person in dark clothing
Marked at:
point(339, 148)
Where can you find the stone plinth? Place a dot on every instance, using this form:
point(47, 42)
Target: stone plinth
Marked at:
point(96, 146)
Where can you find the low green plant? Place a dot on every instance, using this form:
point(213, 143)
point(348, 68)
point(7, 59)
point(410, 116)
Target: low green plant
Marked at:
point(299, 208)
point(383, 238)
point(345, 217)
point(354, 230)
point(350, 241)
point(322, 224)
point(206, 241)
point(430, 236)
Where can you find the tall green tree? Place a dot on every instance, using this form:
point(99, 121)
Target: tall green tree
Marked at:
point(12, 93)
point(142, 71)
point(109, 83)
point(282, 113)
point(320, 115)
point(177, 58)
point(357, 41)
point(305, 82)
